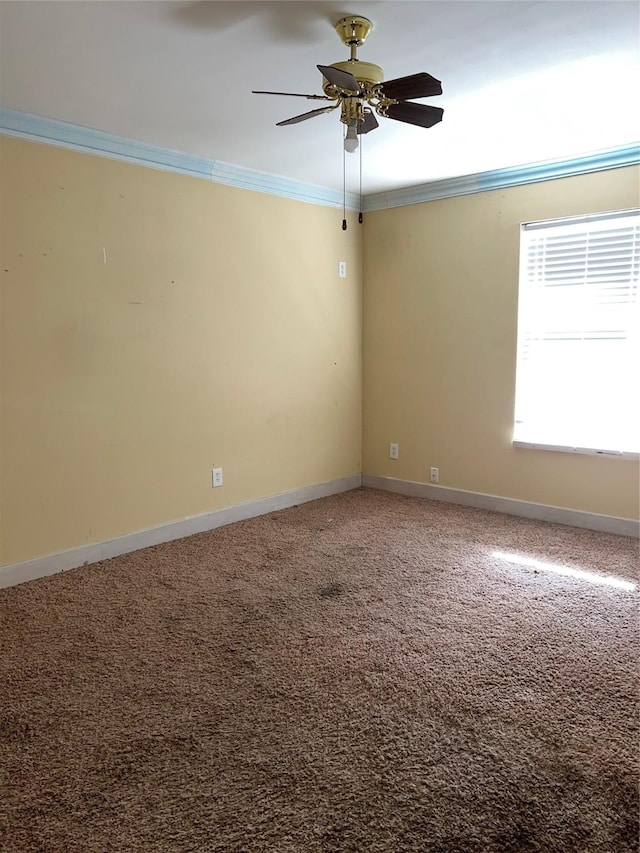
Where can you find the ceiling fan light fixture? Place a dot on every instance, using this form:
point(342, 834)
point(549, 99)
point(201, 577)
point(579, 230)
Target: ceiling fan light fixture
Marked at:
point(351, 139)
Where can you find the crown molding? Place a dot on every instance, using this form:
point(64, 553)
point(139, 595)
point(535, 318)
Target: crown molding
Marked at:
point(88, 141)
point(614, 158)
point(78, 138)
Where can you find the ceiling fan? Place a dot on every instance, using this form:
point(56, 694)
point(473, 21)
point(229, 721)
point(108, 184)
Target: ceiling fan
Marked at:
point(359, 89)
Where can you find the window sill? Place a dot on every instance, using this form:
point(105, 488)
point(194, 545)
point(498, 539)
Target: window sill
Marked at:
point(589, 451)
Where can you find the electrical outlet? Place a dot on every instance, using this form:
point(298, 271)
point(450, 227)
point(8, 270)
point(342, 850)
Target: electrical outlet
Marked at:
point(435, 475)
point(393, 451)
point(216, 478)
point(342, 269)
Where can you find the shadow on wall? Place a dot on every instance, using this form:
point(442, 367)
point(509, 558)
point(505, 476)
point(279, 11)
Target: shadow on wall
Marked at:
point(278, 20)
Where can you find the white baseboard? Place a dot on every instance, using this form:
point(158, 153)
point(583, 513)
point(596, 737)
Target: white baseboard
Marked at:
point(510, 506)
point(62, 561)
point(51, 564)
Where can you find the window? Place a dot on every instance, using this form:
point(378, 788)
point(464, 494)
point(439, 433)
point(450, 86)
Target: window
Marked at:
point(577, 383)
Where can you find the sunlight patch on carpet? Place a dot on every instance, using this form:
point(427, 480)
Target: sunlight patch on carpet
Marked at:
point(582, 574)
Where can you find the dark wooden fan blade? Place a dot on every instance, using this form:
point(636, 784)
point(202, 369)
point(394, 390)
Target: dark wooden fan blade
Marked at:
point(293, 95)
point(341, 79)
point(305, 116)
point(421, 85)
point(421, 114)
point(370, 122)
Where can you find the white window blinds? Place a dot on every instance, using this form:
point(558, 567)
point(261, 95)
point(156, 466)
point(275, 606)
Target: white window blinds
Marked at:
point(579, 334)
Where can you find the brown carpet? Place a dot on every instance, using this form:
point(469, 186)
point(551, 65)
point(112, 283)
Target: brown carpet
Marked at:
point(356, 675)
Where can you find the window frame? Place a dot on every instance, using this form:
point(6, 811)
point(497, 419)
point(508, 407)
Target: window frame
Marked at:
point(540, 225)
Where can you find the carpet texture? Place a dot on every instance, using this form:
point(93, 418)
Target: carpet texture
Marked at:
point(361, 674)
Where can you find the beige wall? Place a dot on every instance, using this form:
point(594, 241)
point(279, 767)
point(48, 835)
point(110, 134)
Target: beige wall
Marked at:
point(217, 332)
point(440, 311)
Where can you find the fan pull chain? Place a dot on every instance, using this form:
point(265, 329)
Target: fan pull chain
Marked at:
point(344, 191)
point(360, 216)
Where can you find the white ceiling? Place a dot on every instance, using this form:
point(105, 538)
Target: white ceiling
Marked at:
point(522, 81)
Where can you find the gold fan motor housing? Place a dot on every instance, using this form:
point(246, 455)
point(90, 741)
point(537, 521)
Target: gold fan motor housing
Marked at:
point(364, 72)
